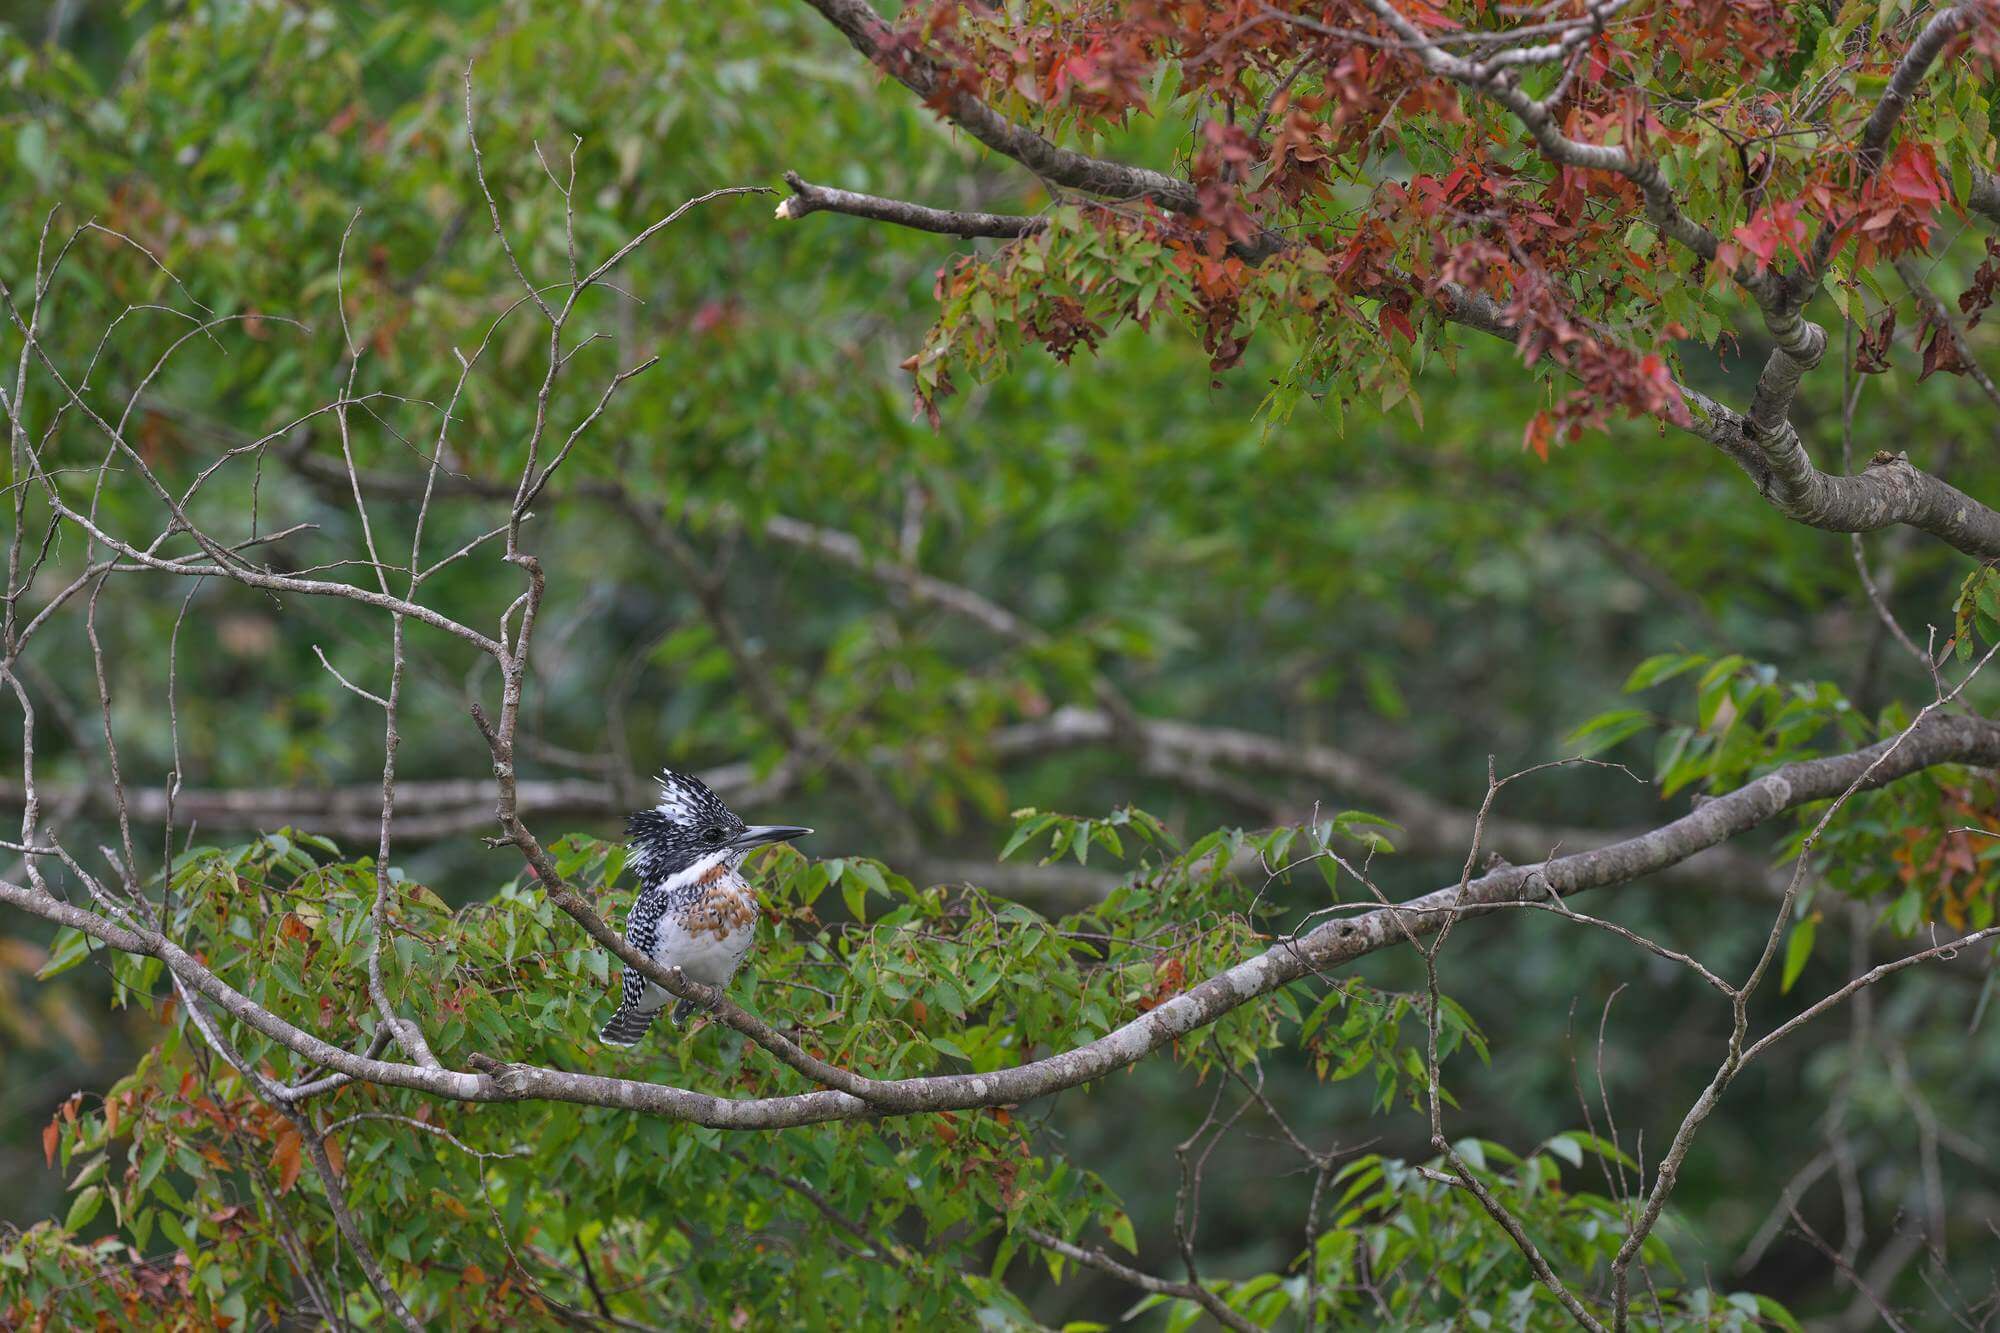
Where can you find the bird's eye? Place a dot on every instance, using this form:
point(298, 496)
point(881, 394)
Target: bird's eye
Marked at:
point(711, 835)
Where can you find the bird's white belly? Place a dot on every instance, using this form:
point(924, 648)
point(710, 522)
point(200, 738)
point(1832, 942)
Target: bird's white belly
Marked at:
point(703, 955)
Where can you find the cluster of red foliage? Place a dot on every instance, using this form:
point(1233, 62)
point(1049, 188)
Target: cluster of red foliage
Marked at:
point(1061, 325)
point(1290, 97)
point(1871, 348)
point(1506, 235)
point(1946, 860)
point(1892, 213)
point(1731, 38)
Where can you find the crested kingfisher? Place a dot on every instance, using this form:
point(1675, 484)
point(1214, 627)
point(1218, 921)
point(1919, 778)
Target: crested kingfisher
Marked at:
point(695, 911)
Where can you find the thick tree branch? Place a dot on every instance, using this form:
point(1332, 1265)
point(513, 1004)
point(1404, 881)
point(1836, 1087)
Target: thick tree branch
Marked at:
point(1937, 739)
point(1909, 76)
point(1889, 491)
point(1985, 197)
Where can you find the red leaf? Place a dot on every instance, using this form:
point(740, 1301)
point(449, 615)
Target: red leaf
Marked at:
point(1778, 225)
point(1539, 435)
point(1395, 321)
point(1427, 15)
point(1871, 350)
point(1600, 61)
point(1941, 353)
point(51, 1136)
point(285, 1156)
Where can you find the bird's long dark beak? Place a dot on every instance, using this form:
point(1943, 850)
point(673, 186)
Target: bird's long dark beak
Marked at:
point(759, 834)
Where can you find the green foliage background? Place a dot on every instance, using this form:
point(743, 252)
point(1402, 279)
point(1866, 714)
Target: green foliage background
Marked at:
point(1413, 588)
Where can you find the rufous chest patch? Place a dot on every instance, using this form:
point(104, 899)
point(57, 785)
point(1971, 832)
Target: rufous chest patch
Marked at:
point(726, 907)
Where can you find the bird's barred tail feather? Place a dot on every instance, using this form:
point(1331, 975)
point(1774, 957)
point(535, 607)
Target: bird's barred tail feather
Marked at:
point(627, 1026)
point(633, 1019)
point(630, 1024)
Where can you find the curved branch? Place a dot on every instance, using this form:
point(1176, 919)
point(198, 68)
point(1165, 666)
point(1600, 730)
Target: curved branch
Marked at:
point(1935, 740)
point(1763, 441)
point(1217, 1308)
point(1891, 490)
point(1910, 73)
point(1984, 198)
point(1801, 343)
point(874, 39)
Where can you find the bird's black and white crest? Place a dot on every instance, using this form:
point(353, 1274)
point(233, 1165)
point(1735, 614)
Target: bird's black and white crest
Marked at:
point(689, 824)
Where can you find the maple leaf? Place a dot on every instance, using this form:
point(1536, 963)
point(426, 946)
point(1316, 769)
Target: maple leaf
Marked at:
point(1781, 226)
point(1913, 174)
point(1941, 353)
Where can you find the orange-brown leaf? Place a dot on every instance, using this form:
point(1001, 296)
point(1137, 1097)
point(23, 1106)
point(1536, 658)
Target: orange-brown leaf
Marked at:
point(285, 1156)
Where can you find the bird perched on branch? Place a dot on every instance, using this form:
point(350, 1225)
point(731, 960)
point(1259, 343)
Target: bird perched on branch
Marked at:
point(695, 911)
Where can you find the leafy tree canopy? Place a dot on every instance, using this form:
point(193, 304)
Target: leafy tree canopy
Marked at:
point(420, 428)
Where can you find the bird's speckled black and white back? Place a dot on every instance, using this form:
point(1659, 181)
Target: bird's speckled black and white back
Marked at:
point(694, 910)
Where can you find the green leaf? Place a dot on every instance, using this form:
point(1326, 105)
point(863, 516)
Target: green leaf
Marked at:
point(83, 1208)
point(1025, 830)
point(1798, 948)
point(1606, 730)
point(855, 894)
point(1567, 1148)
point(71, 947)
point(1661, 668)
point(31, 146)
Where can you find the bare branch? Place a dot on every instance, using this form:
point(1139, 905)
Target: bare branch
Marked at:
point(1217, 1308)
point(808, 199)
